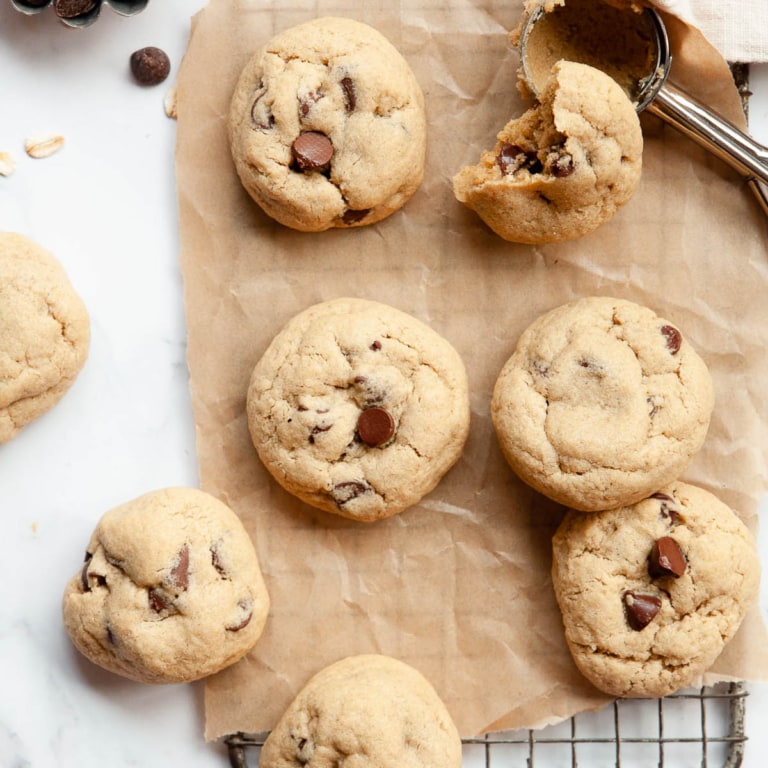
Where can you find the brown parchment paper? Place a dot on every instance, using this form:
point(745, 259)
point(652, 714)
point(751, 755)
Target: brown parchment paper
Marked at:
point(458, 586)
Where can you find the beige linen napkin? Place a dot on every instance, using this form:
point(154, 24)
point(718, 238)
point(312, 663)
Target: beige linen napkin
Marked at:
point(737, 28)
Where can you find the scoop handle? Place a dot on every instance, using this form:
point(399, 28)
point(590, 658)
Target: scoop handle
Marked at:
point(716, 134)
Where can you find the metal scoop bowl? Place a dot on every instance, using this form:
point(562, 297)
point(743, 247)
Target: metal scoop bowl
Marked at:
point(651, 91)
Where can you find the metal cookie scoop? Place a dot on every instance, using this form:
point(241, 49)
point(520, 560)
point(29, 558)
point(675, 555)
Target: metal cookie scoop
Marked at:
point(634, 49)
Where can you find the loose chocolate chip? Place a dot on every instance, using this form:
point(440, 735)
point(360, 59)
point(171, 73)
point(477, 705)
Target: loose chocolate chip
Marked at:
point(353, 217)
point(350, 97)
point(69, 9)
point(312, 151)
point(672, 337)
point(179, 575)
point(150, 65)
point(666, 559)
point(84, 572)
point(375, 426)
point(158, 602)
point(345, 492)
point(641, 609)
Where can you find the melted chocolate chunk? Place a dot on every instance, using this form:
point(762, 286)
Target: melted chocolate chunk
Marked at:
point(375, 426)
point(350, 97)
point(261, 115)
point(641, 609)
point(307, 102)
point(345, 492)
point(84, 572)
point(512, 158)
point(158, 601)
point(672, 337)
point(217, 563)
point(312, 151)
point(668, 508)
point(179, 574)
point(244, 605)
point(352, 216)
point(666, 559)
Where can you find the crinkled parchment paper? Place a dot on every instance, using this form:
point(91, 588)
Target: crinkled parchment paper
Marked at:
point(459, 586)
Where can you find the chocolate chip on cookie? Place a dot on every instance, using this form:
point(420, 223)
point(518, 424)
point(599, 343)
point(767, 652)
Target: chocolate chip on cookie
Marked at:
point(666, 559)
point(312, 151)
point(672, 338)
point(375, 426)
point(641, 609)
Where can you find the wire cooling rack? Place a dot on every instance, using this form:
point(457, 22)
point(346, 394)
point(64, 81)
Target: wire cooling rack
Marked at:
point(696, 728)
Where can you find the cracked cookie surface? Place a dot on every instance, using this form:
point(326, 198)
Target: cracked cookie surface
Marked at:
point(601, 403)
point(170, 590)
point(368, 711)
point(564, 167)
point(44, 333)
point(607, 564)
point(327, 126)
point(358, 408)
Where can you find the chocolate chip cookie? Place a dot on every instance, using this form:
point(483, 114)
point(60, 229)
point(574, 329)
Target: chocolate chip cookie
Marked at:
point(651, 593)
point(170, 590)
point(564, 167)
point(44, 333)
point(367, 710)
point(358, 408)
point(601, 403)
point(327, 126)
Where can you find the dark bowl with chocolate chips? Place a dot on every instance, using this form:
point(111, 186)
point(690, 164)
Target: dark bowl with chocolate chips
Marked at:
point(79, 13)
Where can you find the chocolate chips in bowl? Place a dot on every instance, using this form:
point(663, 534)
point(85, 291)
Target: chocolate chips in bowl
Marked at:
point(79, 13)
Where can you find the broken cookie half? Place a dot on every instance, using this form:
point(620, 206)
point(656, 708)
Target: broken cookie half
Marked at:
point(564, 167)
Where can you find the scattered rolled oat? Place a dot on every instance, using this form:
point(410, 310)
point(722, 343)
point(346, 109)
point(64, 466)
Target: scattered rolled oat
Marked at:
point(43, 145)
point(170, 103)
point(7, 163)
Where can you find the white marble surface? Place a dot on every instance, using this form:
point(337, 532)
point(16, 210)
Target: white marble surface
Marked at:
point(106, 206)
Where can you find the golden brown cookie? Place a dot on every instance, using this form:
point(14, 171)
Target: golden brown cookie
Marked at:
point(651, 593)
point(358, 408)
point(601, 403)
point(44, 333)
point(563, 168)
point(170, 591)
point(368, 710)
point(327, 126)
